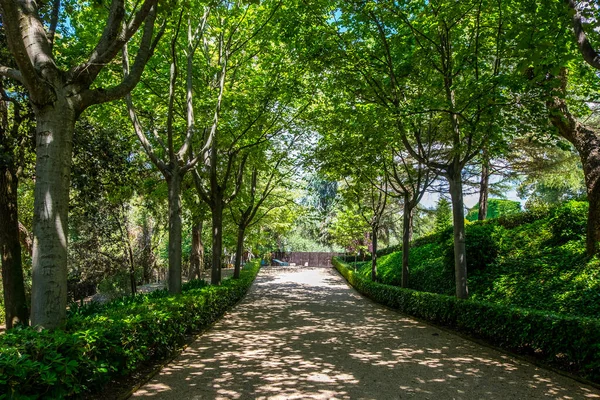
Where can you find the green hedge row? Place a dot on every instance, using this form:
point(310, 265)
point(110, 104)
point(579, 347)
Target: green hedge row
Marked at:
point(98, 346)
point(570, 343)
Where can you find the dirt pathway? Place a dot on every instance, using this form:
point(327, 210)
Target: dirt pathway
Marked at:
point(303, 333)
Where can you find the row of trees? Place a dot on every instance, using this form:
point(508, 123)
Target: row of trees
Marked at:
point(429, 92)
point(405, 96)
point(212, 94)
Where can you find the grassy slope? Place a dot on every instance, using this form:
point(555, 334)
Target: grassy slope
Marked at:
point(539, 265)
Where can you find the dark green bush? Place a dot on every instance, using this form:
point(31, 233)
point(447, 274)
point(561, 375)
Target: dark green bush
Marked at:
point(101, 343)
point(481, 245)
point(569, 221)
point(571, 343)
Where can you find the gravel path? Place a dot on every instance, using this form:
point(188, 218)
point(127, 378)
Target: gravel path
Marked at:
point(302, 333)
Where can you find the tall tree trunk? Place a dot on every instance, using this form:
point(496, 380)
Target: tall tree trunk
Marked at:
point(15, 303)
point(217, 242)
point(174, 280)
point(238, 251)
point(460, 252)
point(374, 258)
point(406, 237)
point(55, 126)
point(197, 251)
point(484, 187)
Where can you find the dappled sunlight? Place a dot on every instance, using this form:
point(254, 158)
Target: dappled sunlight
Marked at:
point(302, 333)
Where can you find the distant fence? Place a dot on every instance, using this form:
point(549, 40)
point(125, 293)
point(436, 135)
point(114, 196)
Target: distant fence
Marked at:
point(310, 259)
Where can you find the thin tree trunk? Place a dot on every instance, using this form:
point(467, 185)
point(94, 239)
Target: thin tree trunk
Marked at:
point(15, 303)
point(374, 257)
point(174, 280)
point(217, 242)
point(460, 253)
point(484, 188)
point(238, 251)
point(406, 237)
point(146, 245)
point(197, 251)
point(131, 263)
point(55, 126)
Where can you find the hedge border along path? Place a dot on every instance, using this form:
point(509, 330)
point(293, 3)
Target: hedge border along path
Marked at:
point(569, 343)
point(115, 342)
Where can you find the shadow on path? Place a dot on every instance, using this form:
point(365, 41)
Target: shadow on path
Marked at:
point(303, 333)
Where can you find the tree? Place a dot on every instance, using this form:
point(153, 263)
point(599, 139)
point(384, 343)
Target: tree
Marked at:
point(414, 49)
point(410, 179)
point(12, 163)
point(585, 138)
point(175, 163)
point(59, 95)
point(257, 193)
point(371, 196)
point(443, 215)
point(249, 80)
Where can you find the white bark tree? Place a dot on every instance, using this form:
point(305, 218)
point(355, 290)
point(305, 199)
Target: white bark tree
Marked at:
point(59, 96)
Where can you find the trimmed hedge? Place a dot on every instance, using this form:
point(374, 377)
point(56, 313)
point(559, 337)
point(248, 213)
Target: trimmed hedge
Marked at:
point(110, 341)
point(570, 343)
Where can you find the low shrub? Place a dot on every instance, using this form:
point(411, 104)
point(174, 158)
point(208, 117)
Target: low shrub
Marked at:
point(100, 343)
point(569, 222)
point(568, 342)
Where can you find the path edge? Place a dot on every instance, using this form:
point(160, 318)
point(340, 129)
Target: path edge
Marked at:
point(481, 342)
point(179, 351)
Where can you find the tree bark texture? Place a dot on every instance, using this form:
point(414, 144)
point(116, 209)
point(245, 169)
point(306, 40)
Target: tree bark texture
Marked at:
point(197, 251)
point(239, 251)
point(407, 221)
point(174, 280)
point(217, 242)
point(58, 97)
point(15, 303)
point(484, 188)
point(460, 252)
point(54, 142)
point(146, 259)
point(374, 258)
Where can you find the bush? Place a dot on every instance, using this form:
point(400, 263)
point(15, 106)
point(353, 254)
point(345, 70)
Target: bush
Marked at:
point(103, 342)
point(496, 208)
point(481, 245)
point(569, 221)
point(571, 343)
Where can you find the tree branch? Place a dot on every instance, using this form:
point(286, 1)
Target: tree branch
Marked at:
point(11, 73)
point(53, 22)
point(23, 28)
point(590, 55)
point(147, 46)
point(116, 34)
point(137, 126)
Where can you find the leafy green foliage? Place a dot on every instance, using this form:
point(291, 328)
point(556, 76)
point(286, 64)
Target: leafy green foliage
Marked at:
point(568, 342)
point(101, 342)
point(569, 222)
point(482, 244)
point(496, 208)
point(443, 215)
point(535, 259)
